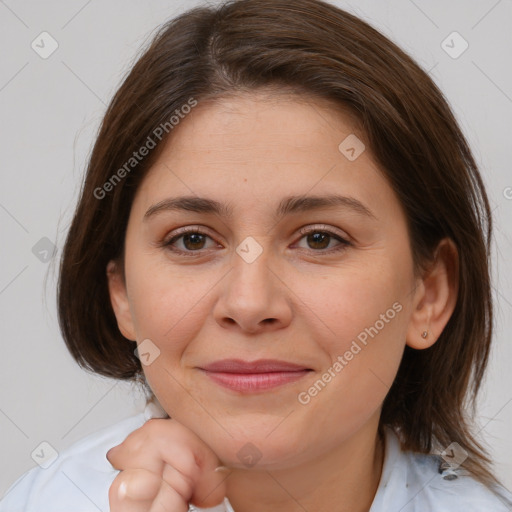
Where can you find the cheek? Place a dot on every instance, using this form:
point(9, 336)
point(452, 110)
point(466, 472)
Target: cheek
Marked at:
point(354, 303)
point(167, 307)
point(361, 315)
point(364, 312)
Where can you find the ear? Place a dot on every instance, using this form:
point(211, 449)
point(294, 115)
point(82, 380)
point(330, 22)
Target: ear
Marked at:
point(119, 301)
point(435, 298)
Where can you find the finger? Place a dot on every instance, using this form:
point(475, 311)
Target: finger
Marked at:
point(182, 483)
point(136, 450)
point(168, 500)
point(133, 490)
point(210, 489)
point(192, 473)
point(161, 442)
point(205, 487)
point(157, 442)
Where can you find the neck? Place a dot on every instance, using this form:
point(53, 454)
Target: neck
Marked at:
point(344, 479)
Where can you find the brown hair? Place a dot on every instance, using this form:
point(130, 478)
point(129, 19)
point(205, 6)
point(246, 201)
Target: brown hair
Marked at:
point(314, 49)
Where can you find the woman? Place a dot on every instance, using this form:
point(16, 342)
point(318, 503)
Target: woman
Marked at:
point(282, 215)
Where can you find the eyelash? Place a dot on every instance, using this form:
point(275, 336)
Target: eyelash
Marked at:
point(304, 232)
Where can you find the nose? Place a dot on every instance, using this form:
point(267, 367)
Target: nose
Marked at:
point(253, 298)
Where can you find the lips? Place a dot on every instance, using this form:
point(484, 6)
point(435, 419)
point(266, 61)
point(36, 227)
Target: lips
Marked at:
point(253, 376)
point(259, 366)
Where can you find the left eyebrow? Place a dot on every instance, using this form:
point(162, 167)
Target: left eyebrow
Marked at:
point(287, 206)
point(298, 204)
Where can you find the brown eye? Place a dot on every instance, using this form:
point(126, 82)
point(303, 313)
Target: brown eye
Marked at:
point(193, 241)
point(320, 240)
point(188, 241)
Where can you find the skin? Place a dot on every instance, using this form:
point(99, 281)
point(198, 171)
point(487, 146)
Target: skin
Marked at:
point(299, 301)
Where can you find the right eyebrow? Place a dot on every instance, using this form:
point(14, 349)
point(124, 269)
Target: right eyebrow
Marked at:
point(190, 204)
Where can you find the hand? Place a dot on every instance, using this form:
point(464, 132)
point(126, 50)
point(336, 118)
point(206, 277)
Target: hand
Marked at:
point(164, 467)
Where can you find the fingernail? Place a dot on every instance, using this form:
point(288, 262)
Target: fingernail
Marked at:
point(121, 493)
point(221, 468)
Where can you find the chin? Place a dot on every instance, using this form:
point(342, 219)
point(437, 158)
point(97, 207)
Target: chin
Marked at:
point(257, 452)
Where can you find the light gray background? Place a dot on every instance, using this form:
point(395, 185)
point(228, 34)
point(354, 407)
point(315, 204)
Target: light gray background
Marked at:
point(50, 110)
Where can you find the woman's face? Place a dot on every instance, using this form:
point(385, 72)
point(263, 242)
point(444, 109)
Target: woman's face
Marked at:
point(306, 261)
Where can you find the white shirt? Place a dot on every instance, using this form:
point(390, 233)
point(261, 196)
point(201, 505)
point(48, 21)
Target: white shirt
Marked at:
point(79, 480)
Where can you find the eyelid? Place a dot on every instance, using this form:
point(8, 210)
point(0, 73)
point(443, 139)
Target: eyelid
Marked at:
point(324, 228)
point(344, 240)
point(185, 230)
point(342, 237)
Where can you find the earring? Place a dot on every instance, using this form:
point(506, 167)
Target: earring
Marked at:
point(424, 334)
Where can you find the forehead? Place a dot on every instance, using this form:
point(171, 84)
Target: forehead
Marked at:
point(275, 121)
point(256, 148)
